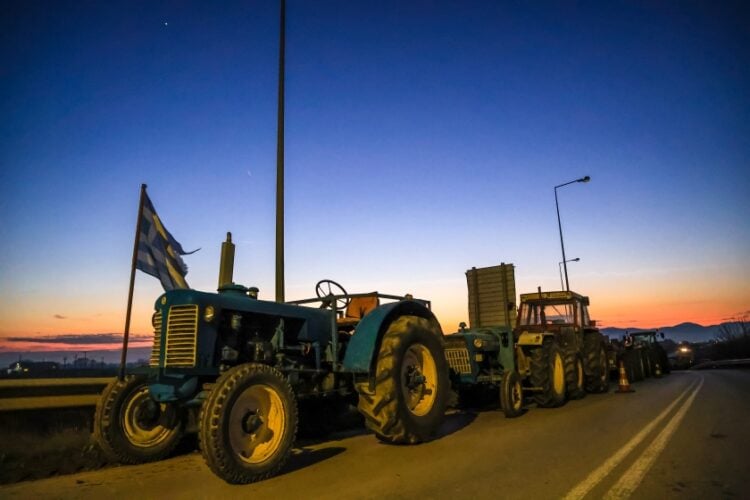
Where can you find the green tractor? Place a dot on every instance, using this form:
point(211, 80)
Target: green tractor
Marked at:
point(643, 355)
point(482, 357)
point(550, 349)
point(232, 368)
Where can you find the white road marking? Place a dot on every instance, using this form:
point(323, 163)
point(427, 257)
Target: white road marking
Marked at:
point(598, 474)
point(634, 475)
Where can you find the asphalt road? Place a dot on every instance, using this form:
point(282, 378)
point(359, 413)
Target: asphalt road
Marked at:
point(683, 436)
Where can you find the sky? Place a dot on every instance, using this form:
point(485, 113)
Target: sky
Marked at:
point(422, 138)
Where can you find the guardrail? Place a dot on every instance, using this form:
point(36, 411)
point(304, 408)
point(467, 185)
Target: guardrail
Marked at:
point(50, 393)
point(724, 363)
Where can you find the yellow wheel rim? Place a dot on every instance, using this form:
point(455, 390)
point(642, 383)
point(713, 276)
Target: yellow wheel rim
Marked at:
point(256, 424)
point(419, 379)
point(579, 369)
point(516, 398)
point(558, 378)
point(140, 420)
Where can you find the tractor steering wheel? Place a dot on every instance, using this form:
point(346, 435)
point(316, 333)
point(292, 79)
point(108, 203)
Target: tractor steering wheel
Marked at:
point(326, 288)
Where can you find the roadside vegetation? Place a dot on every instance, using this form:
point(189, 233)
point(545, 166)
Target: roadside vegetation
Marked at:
point(733, 340)
point(38, 444)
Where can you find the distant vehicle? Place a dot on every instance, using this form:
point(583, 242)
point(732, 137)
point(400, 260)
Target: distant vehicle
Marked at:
point(27, 367)
point(683, 357)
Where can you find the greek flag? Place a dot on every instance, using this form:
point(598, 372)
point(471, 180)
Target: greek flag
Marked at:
point(158, 251)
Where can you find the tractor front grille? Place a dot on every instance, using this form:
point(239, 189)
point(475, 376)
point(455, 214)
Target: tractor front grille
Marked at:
point(156, 349)
point(458, 360)
point(182, 329)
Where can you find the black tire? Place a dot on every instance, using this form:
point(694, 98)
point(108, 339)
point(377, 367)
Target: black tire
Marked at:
point(248, 424)
point(548, 374)
point(131, 428)
point(638, 366)
point(575, 379)
point(511, 394)
point(656, 364)
point(401, 408)
point(648, 369)
point(630, 366)
point(595, 364)
point(664, 360)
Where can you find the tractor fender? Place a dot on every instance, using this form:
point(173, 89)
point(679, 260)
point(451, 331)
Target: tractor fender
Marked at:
point(533, 338)
point(362, 351)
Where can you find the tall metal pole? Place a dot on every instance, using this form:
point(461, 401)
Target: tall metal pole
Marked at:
point(559, 269)
point(562, 244)
point(280, 164)
point(559, 226)
point(126, 334)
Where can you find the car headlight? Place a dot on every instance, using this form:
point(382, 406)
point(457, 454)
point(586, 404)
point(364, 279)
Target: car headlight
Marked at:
point(208, 314)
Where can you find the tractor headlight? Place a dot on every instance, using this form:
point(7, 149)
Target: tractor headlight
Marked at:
point(478, 343)
point(208, 314)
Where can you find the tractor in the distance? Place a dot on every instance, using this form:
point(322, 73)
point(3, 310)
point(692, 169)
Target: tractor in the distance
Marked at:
point(643, 355)
point(549, 349)
point(232, 368)
point(554, 330)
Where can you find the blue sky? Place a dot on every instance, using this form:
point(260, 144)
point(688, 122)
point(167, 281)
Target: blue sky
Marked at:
point(422, 138)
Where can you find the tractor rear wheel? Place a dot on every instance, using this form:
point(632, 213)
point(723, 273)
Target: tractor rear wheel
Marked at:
point(574, 375)
point(411, 386)
point(511, 394)
point(638, 365)
point(131, 428)
point(648, 366)
point(248, 424)
point(630, 368)
point(548, 374)
point(595, 364)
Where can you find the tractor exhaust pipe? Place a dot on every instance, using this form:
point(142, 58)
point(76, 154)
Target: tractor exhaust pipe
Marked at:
point(226, 266)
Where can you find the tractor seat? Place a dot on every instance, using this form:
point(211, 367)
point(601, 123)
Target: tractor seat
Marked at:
point(357, 309)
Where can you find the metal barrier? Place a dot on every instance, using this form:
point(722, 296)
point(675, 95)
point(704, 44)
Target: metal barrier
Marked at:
point(50, 393)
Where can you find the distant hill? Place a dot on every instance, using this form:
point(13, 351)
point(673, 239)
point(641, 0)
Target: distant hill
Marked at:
point(684, 332)
point(107, 356)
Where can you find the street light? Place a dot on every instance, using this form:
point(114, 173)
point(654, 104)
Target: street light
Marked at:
point(559, 225)
point(559, 268)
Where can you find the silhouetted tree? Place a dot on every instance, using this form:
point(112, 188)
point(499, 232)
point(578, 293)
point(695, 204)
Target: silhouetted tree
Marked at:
point(733, 339)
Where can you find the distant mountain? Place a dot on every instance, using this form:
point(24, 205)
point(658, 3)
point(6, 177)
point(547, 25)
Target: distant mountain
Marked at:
point(107, 356)
point(684, 332)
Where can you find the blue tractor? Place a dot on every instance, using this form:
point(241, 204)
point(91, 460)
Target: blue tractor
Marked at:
point(232, 368)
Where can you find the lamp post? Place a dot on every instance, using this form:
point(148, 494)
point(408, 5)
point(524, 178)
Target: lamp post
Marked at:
point(559, 268)
point(559, 226)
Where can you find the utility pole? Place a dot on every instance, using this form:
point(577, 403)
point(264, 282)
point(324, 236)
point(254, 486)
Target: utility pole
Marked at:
point(280, 163)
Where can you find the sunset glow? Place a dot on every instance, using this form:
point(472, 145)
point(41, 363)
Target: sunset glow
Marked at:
point(421, 139)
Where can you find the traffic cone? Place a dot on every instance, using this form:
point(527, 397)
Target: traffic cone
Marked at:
point(624, 385)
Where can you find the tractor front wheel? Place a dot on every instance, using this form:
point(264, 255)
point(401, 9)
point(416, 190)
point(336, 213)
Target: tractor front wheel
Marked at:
point(511, 394)
point(248, 424)
point(411, 386)
point(548, 375)
point(132, 428)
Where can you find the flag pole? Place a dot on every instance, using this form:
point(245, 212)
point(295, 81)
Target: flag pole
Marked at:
point(132, 282)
